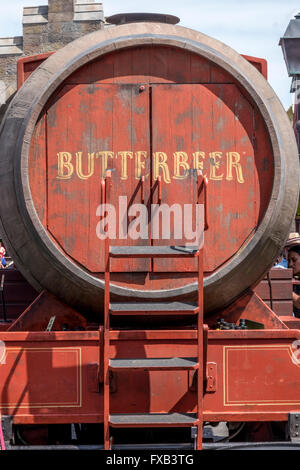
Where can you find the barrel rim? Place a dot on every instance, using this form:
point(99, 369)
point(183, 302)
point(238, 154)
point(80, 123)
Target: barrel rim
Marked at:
point(73, 56)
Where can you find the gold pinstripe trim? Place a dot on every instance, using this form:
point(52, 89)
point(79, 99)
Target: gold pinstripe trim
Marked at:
point(78, 365)
point(226, 349)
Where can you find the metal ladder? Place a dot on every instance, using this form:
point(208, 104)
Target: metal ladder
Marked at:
point(193, 420)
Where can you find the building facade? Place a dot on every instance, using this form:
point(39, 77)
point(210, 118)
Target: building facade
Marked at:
point(45, 28)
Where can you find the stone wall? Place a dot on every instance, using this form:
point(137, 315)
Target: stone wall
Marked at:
point(45, 28)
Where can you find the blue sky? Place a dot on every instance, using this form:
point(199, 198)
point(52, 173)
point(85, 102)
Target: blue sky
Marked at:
point(251, 27)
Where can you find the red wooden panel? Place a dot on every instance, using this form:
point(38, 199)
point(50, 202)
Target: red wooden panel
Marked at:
point(260, 64)
point(280, 273)
point(217, 121)
point(255, 376)
point(282, 307)
point(219, 75)
point(281, 284)
point(59, 366)
point(150, 64)
point(175, 133)
point(27, 65)
point(194, 68)
point(131, 133)
point(266, 383)
point(264, 163)
point(291, 322)
point(101, 70)
point(38, 169)
point(101, 108)
point(281, 289)
point(117, 123)
point(50, 377)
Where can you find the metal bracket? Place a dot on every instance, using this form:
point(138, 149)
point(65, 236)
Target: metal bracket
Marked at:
point(6, 422)
point(293, 429)
point(51, 323)
point(210, 382)
point(194, 434)
point(211, 377)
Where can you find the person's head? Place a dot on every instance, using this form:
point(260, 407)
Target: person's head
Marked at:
point(294, 259)
point(293, 239)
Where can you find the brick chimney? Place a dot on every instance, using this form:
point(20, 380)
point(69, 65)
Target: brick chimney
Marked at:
point(60, 11)
point(45, 28)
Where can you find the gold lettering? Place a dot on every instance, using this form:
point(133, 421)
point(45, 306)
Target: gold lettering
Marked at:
point(104, 157)
point(64, 163)
point(91, 165)
point(124, 155)
point(66, 168)
point(180, 161)
point(160, 161)
point(233, 161)
point(198, 158)
point(139, 164)
point(214, 165)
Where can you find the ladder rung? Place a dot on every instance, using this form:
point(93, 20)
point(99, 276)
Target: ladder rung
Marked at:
point(163, 363)
point(153, 308)
point(153, 251)
point(153, 420)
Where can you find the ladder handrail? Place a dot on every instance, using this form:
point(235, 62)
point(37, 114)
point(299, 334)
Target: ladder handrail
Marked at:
point(106, 339)
point(202, 198)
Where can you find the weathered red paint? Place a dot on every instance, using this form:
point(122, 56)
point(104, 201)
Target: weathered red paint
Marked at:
point(27, 65)
point(205, 117)
point(277, 288)
point(18, 294)
point(153, 109)
point(248, 306)
point(37, 316)
point(256, 379)
point(203, 111)
point(260, 64)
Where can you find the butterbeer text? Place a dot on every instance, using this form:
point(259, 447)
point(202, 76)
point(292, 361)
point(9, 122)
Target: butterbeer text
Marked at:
point(215, 165)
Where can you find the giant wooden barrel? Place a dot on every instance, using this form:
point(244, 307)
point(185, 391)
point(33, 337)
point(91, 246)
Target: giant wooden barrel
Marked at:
point(150, 100)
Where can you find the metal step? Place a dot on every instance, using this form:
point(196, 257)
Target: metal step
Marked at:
point(153, 420)
point(153, 308)
point(153, 251)
point(162, 363)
